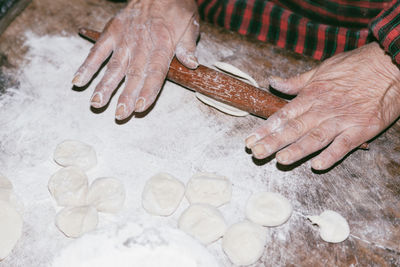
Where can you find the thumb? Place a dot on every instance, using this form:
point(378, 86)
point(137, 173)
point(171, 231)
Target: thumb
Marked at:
point(186, 48)
point(291, 85)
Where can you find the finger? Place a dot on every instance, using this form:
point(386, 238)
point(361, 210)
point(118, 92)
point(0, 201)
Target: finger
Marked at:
point(314, 140)
point(134, 78)
point(342, 145)
point(293, 130)
point(291, 85)
point(97, 55)
point(293, 109)
point(115, 72)
point(186, 48)
point(157, 67)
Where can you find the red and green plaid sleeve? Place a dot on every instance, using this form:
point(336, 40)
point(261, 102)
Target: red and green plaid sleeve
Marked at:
point(386, 29)
point(317, 28)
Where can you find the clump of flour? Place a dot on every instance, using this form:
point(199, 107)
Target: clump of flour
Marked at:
point(135, 246)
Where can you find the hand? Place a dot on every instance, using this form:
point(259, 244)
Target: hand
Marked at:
point(347, 100)
point(143, 39)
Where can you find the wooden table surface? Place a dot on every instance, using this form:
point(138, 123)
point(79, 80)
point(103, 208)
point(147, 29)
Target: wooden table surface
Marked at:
point(364, 188)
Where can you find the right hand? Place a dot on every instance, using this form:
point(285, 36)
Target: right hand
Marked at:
point(144, 37)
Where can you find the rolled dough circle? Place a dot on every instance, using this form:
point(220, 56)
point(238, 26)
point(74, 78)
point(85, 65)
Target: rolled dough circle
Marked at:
point(333, 227)
point(268, 209)
point(221, 106)
point(10, 228)
point(209, 188)
point(69, 186)
point(204, 222)
point(76, 221)
point(107, 194)
point(162, 194)
point(75, 153)
point(244, 242)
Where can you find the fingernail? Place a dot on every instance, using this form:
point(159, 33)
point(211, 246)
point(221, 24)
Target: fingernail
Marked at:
point(283, 157)
point(274, 81)
point(317, 164)
point(139, 106)
point(193, 61)
point(259, 150)
point(97, 100)
point(76, 79)
point(121, 112)
point(251, 140)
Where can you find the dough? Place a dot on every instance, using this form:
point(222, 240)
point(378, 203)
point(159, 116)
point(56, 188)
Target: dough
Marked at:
point(10, 228)
point(76, 221)
point(7, 194)
point(5, 183)
point(162, 194)
point(203, 222)
point(244, 242)
point(333, 227)
point(75, 153)
point(209, 188)
point(268, 209)
point(69, 186)
point(225, 108)
point(6, 189)
point(228, 68)
point(107, 195)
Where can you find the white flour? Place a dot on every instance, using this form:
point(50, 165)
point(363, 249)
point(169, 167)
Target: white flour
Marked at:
point(180, 136)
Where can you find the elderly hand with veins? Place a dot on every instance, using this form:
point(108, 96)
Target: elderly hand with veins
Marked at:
point(143, 38)
point(346, 101)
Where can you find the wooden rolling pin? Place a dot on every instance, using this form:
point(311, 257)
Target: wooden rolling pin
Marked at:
point(217, 85)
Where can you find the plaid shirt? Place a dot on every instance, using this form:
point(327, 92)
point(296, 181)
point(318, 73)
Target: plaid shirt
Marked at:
point(317, 28)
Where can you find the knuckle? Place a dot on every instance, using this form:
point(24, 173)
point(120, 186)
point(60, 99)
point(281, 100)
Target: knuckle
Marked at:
point(282, 114)
point(318, 135)
point(157, 69)
point(159, 32)
point(95, 49)
point(346, 142)
point(133, 72)
point(296, 125)
point(274, 140)
point(114, 64)
point(164, 54)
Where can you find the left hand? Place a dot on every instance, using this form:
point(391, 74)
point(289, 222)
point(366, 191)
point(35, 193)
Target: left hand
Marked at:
point(346, 101)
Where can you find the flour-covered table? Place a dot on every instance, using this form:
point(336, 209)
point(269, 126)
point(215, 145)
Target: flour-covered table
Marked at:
point(40, 52)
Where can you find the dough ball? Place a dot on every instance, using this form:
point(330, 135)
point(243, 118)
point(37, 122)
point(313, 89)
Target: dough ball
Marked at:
point(268, 209)
point(333, 227)
point(244, 242)
point(5, 183)
point(203, 222)
point(12, 199)
point(162, 194)
point(69, 186)
point(76, 221)
point(75, 153)
point(10, 228)
point(107, 195)
point(209, 188)
point(5, 194)
point(6, 189)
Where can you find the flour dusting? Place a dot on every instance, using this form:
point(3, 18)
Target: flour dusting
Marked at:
point(179, 135)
